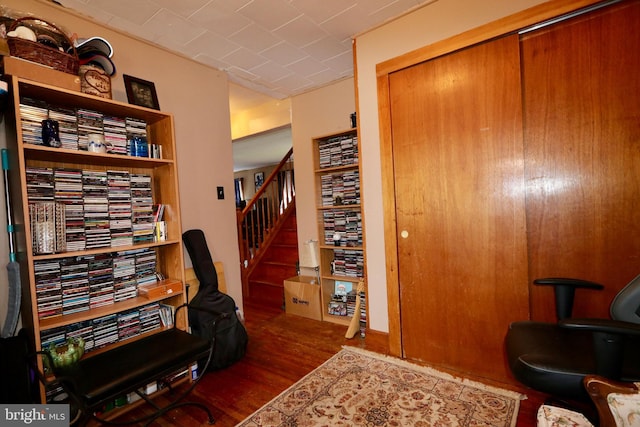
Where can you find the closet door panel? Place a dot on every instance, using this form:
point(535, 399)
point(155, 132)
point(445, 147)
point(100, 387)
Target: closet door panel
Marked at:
point(581, 86)
point(458, 166)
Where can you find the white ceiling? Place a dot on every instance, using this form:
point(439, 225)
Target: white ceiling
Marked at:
point(264, 149)
point(268, 48)
point(276, 47)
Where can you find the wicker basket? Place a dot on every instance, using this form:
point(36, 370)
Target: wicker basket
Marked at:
point(41, 53)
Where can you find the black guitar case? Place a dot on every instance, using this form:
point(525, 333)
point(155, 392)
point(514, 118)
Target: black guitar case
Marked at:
point(231, 336)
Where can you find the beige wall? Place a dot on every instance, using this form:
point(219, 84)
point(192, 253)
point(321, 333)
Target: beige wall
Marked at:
point(316, 113)
point(197, 96)
point(261, 118)
point(422, 27)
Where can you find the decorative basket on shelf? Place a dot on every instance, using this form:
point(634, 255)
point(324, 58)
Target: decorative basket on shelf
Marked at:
point(40, 52)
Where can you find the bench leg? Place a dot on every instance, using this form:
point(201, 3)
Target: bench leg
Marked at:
point(160, 411)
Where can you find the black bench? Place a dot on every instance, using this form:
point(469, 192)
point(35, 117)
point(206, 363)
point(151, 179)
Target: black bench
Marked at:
point(98, 380)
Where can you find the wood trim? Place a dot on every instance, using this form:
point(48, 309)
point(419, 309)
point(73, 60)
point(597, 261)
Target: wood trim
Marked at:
point(389, 209)
point(599, 388)
point(362, 185)
point(502, 26)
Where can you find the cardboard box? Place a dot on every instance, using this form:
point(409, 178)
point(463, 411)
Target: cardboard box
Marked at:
point(160, 289)
point(302, 297)
point(40, 73)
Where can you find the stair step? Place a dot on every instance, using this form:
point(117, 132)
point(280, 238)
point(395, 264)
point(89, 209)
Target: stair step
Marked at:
point(282, 254)
point(267, 294)
point(266, 282)
point(278, 263)
point(273, 274)
point(289, 237)
point(291, 246)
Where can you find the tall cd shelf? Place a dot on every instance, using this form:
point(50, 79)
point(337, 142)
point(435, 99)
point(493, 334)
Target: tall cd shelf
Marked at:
point(340, 224)
point(125, 258)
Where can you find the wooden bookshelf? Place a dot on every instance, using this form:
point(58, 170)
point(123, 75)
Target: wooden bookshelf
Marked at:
point(339, 217)
point(24, 154)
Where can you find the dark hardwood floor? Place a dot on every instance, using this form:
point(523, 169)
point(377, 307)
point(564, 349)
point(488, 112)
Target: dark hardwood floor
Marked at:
point(282, 349)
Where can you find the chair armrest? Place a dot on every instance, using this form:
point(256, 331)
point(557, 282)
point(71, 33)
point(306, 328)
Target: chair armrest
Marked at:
point(609, 337)
point(606, 326)
point(564, 281)
point(564, 289)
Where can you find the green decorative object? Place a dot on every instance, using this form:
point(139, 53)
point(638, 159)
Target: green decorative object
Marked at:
point(66, 355)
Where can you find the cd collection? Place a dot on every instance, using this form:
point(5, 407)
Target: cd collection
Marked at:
point(79, 283)
point(338, 151)
point(74, 209)
point(75, 124)
point(340, 189)
point(109, 329)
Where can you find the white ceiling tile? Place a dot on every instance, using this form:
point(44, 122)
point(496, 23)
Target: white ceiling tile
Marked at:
point(395, 9)
point(223, 22)
point(184, 8)
point(97, 13)
point(272, 92)
point(137, 12)
point(323, 77)
point(270, 71)
point(247, 75)
point(270, 14)
point(347, 23)
point(230, 5)
point(167, 24)
point(301, 31)
point(293, 83)
point(307, 66)
point(370, 6)
point(255, 38)
point(340, 63)
point(211, 61)
point(312, 38)
point(244, 58)
point(284, 53)
point(210, 44)
point(320, 11)
point(276, 47)
point(136, 30)
point(326, 48)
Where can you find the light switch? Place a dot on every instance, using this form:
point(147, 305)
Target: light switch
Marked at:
point(220, 191)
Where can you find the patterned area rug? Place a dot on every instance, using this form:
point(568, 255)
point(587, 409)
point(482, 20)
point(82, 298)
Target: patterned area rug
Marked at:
point(360, 388)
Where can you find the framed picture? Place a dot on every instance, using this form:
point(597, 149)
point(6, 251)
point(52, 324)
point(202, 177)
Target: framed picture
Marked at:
point(141, 92)
point(259, 179)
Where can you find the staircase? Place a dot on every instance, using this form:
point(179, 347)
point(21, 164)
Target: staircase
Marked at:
point(277, 263)
point(267, 234)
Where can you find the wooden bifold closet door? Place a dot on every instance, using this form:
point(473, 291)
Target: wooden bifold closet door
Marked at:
point(581, 88)
point(514, 159)
point(457, 143)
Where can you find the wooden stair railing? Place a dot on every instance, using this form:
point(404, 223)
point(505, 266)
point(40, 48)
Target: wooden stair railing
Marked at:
point(259, 220)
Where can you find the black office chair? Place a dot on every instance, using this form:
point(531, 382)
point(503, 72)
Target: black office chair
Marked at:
point(554, 358)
